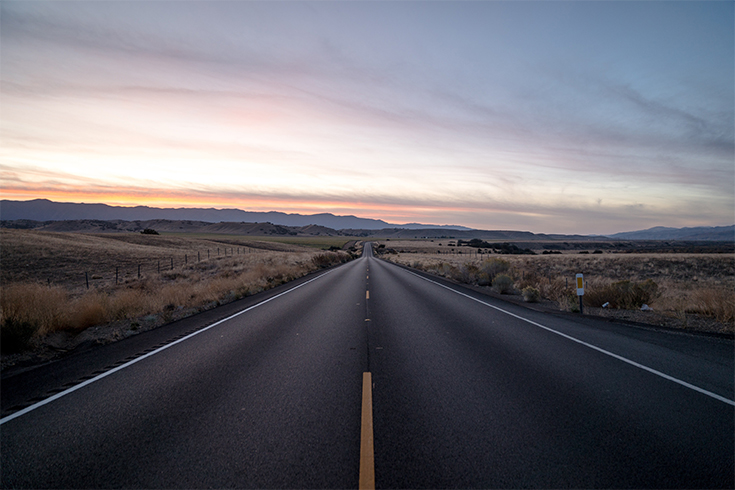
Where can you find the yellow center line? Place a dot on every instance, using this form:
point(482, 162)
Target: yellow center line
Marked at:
point(367, 294)
point(367, 454)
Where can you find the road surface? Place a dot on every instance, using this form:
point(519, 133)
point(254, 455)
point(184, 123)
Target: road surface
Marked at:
point(466, 391)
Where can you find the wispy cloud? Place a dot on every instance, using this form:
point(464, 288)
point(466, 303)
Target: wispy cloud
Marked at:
point(353, 106)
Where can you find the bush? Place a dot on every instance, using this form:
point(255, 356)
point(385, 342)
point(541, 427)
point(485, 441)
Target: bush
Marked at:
point(489, 269)
point(483, 279)
point(91, 309)
point(571, 302)
point(329, 259)
point(503, 284)
point(465, 273)
point(625, 295)
point(43, 307)
point(447, 270)
point(149, 231)
point(717, 303)
point(531, 294)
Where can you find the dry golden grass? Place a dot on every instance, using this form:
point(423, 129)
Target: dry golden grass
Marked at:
point(43, 287)
point(64, 258)
point(702, 284)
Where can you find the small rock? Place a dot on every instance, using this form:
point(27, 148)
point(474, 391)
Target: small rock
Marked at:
point(646, 308)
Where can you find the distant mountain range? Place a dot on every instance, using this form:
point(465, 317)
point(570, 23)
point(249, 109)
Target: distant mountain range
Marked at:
point(45, 210)
point(707, 233)
point(92, 217)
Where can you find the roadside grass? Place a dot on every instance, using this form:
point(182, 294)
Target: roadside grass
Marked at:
point(44, 291)
point(675, 285)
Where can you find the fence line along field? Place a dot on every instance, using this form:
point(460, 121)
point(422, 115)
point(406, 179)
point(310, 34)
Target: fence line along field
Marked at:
point(695, 291)
point(68, 282)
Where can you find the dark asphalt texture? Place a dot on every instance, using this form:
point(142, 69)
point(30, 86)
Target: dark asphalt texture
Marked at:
point(464, 396)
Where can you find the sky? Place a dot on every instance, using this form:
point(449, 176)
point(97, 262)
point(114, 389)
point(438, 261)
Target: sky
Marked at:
point(551, 117)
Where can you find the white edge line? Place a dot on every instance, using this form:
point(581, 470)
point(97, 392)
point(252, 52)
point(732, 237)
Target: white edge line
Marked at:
point(608, 353)
point(137, 359)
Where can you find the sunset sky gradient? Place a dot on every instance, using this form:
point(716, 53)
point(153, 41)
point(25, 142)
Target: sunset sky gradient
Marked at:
point(555, 117)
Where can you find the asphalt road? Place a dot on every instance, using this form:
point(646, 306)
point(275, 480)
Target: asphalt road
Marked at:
point(467, 391)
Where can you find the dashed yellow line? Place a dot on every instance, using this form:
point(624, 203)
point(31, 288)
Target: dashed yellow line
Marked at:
point(367, 452)
point(367, 294)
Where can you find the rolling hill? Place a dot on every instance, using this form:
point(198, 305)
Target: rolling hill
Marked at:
point(45, 210)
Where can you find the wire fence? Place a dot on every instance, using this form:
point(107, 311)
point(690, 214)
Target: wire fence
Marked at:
point(132, 268)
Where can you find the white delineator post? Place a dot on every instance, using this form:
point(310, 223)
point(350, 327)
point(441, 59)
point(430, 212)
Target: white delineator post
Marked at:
point(580, 291)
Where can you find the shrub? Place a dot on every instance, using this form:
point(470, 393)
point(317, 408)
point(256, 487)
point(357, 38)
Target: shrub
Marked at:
point(447, 270)
point(493, 267)
point(483, 279)
point(41, 306)
point(571, 302)
point(626, 295)
point(328, 259)
point(89, 310)
point(503, 284)
point(465, 273)
point(717, 303)
point(531, 294)
point(490, 268)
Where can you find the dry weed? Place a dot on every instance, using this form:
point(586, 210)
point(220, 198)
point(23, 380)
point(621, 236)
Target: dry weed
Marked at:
point(717, 303)
point(90, 310)
point(29, 311)
point(678, 284)
point(42, 306)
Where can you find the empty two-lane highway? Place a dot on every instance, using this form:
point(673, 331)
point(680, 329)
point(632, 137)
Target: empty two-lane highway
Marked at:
point(466, 392)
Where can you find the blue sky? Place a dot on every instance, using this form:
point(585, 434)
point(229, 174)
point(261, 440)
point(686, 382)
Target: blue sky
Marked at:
point(557, 117)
